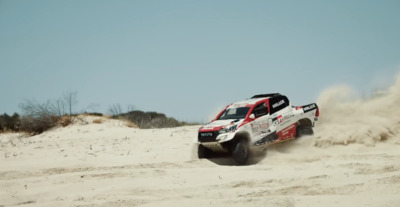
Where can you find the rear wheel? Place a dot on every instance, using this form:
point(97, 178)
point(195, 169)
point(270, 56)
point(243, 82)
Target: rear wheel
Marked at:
point(304, 130)
point(241, 152)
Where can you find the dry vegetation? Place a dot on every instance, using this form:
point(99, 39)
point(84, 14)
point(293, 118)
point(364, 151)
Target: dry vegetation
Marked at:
point(98, 121)
point(148, 120)
point(128, 123)
point(38, 117)
point(66, 120)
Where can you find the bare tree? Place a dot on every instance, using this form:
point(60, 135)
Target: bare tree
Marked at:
point(35, 109)
point(59, 107)
point(70, 99)
point(115, 109)
point(91, 106)
point(130, 107)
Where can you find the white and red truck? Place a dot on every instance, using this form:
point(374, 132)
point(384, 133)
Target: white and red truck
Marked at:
point(260, 121)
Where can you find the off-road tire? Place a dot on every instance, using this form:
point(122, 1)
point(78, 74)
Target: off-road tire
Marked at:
point(241, 152)
point(303, 130)
point(203, 152)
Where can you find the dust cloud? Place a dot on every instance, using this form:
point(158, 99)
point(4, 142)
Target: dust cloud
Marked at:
point(346, 119)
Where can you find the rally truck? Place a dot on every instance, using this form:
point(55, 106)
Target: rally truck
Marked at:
point(258, 122)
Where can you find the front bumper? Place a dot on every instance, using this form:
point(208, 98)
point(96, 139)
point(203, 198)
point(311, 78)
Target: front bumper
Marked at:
point(214, 140)
point(214, 146)
point(214, 136)
point(210, 136)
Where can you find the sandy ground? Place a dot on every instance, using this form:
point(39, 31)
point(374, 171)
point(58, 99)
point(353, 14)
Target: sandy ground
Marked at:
point(109, 164)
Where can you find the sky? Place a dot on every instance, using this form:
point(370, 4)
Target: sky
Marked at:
point(188, 59)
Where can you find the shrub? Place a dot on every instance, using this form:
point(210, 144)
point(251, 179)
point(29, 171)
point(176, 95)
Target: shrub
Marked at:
point(66, 120)
point(11, 123)
point(92, 114)
point(37, 117)
point(148, 120)
point(130, 124)
point(98, 121)
point(3, 122)
point(37, 125)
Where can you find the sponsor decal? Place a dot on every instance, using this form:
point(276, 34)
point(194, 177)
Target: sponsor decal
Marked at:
point(277, 120)
point(288, 115)
point(282, 119)
point(288, 132)
point(264, 126)
point(310, 107)
point(206, 134)
point(285, 122)
point(285, 131)
point(256, 130)
point(299, 107)
point(278, 103)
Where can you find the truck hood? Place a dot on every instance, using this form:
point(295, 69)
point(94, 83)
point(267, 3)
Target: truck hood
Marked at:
point(219, 124)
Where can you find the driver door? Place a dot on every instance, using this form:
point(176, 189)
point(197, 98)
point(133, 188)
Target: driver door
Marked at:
point(260, 124)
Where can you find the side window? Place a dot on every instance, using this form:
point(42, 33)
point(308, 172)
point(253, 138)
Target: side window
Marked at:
point(260, 110)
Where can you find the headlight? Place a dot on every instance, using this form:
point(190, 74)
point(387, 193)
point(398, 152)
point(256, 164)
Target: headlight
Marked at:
point(227, 129)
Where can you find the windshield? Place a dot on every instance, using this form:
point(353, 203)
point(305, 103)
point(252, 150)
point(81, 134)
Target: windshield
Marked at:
point(234, 113)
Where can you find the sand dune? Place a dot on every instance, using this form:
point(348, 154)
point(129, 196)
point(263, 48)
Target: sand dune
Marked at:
point(353, 160)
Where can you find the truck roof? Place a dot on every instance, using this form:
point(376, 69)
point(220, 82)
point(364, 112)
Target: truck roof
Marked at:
point(266, 95)
point(253, 100)
point(245, 103)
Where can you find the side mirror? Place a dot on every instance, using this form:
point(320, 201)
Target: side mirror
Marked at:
point(252, 116)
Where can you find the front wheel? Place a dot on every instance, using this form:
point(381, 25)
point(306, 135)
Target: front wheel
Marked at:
point(241, 152)
point(203, 152)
